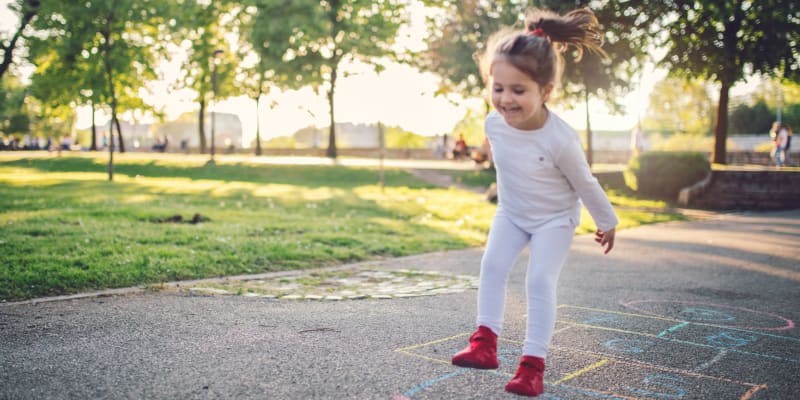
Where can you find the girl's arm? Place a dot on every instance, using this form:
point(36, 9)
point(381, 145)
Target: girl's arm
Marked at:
point(572, 163)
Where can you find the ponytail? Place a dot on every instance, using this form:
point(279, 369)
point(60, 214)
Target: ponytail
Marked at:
point(537, 51)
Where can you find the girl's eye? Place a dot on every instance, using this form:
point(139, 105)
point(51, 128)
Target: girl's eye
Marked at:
point(519, 91)
point(498, 90)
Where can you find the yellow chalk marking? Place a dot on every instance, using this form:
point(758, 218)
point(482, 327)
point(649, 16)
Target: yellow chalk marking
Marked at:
point(641, 364)
point(447, 362)
point(605, 328)
point(416, 346)
point(620, 313)
point(583, 371)
point(749, 394)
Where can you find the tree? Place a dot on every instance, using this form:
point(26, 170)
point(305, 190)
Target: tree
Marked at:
point(680, 105)
point(722, 40)
point(625, 41)
point(26, 10)
point(122, 37)
point(201, 32)
point(264, 46)
point(66, 75)
point(14, 116)
point(456, 34)
point(313, 38)
point(745, 118)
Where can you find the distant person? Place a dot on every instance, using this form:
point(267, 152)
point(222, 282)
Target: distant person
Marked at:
point(780, 138)
point(161, 144)
point(66, 143)
point(460, 148)
point(483, 153)
point(637, 141)
point(786, 156)
point(542, 180)
point(438, 147)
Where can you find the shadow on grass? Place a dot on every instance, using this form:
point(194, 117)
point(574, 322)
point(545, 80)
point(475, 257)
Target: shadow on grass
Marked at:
point(300, 175)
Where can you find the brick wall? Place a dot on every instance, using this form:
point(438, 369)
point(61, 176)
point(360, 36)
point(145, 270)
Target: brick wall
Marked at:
point(742, 189)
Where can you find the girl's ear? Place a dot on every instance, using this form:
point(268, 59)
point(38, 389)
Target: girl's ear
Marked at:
point(546, 90)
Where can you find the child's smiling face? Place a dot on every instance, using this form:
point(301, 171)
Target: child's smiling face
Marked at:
point(517, 97)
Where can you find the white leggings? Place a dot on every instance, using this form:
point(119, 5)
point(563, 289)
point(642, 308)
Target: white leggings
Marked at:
point(548, 252)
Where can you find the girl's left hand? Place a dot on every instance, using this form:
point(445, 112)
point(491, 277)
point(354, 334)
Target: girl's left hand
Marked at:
point(606, 239)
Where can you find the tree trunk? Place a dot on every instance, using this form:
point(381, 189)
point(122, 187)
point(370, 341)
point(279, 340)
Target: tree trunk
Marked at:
point(201, 126)
point(111, 144)
point(589, 150)
point(258, 124)
point(119, 133)
point(110, 81)
point(94, 129)
point(718, 156)
point(331, 153)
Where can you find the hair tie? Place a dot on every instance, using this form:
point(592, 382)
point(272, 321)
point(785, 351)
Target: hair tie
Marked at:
point(537, 32)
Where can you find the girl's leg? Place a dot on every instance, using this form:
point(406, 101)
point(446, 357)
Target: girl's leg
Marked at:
point(549, 251)
point(505, 243)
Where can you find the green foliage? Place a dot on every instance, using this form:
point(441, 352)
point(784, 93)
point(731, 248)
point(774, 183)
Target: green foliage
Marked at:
point(396, 137)
point(96, 52)
point(684, 142)
point(679, 105)
point(14, 117)
point(306, 45)
point(745, 119)
point(456, 34)
point(25, 10)
point(625, 41)
point(663, 174)
point(280, 142)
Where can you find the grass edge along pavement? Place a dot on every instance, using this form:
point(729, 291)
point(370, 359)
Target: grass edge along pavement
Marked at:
point(65, 229)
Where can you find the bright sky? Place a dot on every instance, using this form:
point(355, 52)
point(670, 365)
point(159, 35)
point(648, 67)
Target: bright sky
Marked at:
point(400, 96)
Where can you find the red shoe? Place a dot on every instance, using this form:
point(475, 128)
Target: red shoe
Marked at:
point(481, 353)
point(528, 381)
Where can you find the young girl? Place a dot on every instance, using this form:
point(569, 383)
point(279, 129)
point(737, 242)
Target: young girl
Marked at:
point(542, 176)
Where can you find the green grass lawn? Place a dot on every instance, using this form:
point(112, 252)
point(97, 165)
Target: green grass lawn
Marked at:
point(64, 228)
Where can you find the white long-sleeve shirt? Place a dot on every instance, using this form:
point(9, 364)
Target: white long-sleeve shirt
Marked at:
point(542, 176)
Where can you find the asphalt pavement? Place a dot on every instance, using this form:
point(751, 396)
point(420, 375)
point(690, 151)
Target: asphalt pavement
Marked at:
point(683, 310)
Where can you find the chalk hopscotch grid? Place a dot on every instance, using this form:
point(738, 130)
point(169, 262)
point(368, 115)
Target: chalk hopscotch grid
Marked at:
point(679, 325)
point(604, 360)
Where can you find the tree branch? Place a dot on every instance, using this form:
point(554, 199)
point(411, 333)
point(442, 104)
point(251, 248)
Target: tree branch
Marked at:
point(27, 16)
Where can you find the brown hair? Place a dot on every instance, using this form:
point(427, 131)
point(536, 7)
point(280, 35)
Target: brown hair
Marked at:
point(538, 51)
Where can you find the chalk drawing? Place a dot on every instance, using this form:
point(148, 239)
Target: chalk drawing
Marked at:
point(699, 312)
point(704, 314)
point(410, 392)
point(690, 343)
point(672, 329)
point(692, 320)
point(731, 339)
point(709, 363)
point(667, 382)
point(634, 346)
point(601, 317)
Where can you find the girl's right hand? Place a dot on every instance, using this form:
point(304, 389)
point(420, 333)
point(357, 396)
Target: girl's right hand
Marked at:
point(606, 239)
